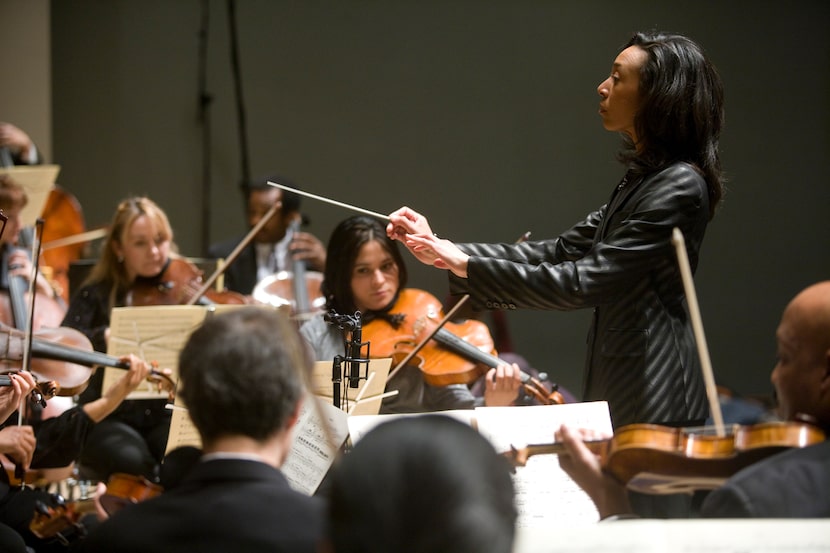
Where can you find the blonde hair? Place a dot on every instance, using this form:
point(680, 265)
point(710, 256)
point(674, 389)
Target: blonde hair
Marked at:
point(11, 193)
point(109, 267)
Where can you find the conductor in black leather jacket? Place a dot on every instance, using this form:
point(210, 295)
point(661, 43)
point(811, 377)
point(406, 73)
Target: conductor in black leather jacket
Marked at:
point(666, 100)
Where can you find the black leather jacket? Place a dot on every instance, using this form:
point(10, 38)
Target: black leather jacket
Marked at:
point(619, 261)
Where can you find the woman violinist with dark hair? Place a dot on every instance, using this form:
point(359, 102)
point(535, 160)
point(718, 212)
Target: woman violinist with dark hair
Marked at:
point(365, 272)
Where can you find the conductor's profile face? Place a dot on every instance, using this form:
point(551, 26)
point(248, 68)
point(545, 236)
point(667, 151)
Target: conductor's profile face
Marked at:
point(620, 92)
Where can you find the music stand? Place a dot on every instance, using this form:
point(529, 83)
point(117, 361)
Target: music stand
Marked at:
point(37, 181)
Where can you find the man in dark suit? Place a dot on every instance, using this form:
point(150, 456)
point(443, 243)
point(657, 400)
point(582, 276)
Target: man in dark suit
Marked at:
point(789, 484)
point(241, 376)
point(275, 246)
point(16, 147)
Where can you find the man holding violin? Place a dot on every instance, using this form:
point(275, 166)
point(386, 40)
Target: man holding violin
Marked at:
point(273, 248)
point(789, 484)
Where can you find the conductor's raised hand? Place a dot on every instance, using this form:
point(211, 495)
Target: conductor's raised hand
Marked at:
point(413, 230)
point(443, 254)
point(406, 221)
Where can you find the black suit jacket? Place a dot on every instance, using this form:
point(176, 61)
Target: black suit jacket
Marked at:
point(619, 261)
point(792, 484)
point(222, 506)
point(241, 274)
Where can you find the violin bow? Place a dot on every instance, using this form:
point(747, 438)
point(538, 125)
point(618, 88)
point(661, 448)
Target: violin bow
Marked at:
point(697, 325)
point(382, 217)
point(423, 342)
point(428, 336)
point(19, 471)
point(234, 254)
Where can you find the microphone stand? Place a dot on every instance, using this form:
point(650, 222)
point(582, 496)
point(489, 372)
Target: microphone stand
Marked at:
point(353, 357)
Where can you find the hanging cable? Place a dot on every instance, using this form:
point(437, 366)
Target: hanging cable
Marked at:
point(205, 100)
point(240, 102)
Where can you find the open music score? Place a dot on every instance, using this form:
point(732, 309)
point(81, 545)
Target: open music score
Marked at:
point(686, 535)
point(37, 181)
point(320, 431)
point(546, 497)
point(158, 333)
point(318, 436)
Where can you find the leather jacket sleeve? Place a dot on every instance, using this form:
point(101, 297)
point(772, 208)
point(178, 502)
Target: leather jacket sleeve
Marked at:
point(598, 260)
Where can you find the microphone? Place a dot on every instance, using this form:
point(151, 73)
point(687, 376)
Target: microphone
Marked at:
point(344, 322)
point(353, 345)
point(354, 354)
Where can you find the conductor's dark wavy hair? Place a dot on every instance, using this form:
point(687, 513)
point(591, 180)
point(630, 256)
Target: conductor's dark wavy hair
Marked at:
point(681, 111)
point(343, 248)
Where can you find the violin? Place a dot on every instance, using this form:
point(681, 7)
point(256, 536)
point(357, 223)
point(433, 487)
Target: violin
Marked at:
point(458, 353)
point(178, 284)
point(127, 489)
point(62, 360)
point(51, 521)
point(298, 289)
point(655, 459)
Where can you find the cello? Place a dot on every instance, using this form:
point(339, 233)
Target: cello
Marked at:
point(64, 218)
point(298, 289)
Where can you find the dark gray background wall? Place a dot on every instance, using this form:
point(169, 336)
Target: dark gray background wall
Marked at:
point(481, 114)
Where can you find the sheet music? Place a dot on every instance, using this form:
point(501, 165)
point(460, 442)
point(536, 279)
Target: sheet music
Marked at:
point(318, 436)
point(182, 431)
point(154, 333)
point(37, 181)
point(545, 495)
point(682, 536)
